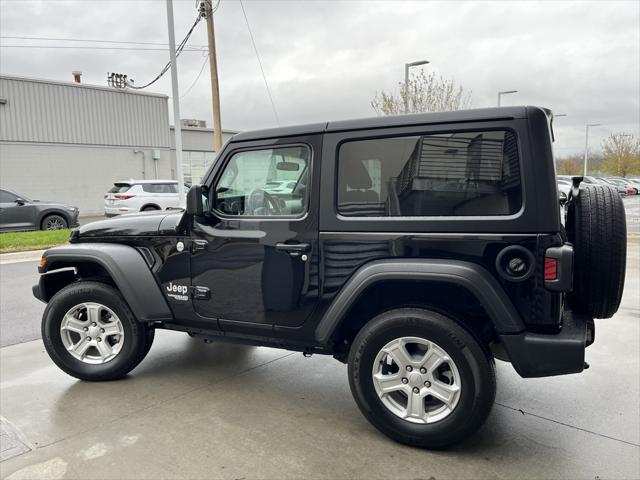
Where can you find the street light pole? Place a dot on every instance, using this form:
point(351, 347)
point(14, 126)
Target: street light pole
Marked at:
point(586, 145)
point(176, 102)
point(406, 81)
point(505, 92)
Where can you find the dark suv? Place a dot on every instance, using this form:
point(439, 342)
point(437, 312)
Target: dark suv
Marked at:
point(17, 212)
point(415, 248)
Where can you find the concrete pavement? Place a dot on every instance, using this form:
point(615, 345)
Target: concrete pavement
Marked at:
point(193, 410)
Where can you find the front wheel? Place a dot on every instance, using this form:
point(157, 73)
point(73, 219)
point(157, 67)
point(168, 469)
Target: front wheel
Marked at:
point(421, 378)
point(91, 334)
point(54, 222)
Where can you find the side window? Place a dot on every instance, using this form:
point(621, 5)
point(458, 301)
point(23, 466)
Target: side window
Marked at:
point(269, 182)
point(160, 187)
point(6, 197)
point(452, 174)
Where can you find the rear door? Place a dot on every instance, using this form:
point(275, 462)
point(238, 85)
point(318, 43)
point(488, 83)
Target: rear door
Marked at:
point(256, 252)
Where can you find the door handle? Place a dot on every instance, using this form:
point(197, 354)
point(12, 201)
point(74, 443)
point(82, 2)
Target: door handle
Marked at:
point(198, 245)
point(293, 249)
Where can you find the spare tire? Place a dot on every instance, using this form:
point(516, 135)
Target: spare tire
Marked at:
point(597, 228)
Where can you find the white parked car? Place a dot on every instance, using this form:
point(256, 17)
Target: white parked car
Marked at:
point(141, 196)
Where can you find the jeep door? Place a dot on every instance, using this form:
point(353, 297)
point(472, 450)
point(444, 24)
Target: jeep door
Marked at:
point(256, 249)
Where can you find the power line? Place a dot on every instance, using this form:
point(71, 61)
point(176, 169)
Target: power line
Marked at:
point(264, 77)
point(179, 49)
point(79, 47)
point(206, 58)
point(87, 40)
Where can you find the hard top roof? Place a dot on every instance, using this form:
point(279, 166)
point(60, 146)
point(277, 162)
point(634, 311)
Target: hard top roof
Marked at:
point(478, 114)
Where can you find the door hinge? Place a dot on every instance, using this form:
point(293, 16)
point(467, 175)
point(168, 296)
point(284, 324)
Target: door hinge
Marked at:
point(200, 293)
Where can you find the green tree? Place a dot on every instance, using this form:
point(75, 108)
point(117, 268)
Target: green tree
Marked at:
point(422, 93)
point(621, 154)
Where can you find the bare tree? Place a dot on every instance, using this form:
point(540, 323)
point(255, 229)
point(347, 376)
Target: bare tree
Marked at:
point(571, 165)
point(621, 154)
point(422, 93)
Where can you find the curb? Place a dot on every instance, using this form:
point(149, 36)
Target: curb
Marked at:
point(15, 257)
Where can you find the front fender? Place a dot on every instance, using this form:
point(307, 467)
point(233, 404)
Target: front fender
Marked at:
point(474, 278)
point(126, 267)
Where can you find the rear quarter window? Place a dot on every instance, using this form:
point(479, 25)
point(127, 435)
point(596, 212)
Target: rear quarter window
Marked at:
point(160, 187)
point(446, 174)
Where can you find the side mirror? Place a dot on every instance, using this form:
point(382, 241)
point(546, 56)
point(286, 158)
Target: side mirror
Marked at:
point(194, 201)
point(20, 201)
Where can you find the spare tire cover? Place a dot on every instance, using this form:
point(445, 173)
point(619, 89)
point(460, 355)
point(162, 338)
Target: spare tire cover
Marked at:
point(597, 228)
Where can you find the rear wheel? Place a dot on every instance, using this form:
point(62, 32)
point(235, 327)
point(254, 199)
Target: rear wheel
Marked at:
point(91, 334)
point(149, 208)
point(597, 228)
point(54, 222)
point(421, 378)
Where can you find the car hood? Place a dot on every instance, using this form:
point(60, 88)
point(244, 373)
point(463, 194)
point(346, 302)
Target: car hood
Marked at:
point(136, 224)
point(47, 203)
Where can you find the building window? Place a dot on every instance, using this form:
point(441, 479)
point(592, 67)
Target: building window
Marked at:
point(195, 165)
point(452, 174)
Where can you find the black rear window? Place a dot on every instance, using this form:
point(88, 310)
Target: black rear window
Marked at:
point(453, 174)
point(160, 187)
point(120, 188)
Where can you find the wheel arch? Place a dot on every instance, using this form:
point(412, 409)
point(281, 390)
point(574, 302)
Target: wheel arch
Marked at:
point(121, 265)
point(155, 206)
point(440, 285)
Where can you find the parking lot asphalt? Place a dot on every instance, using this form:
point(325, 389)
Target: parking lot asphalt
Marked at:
point(193, 410)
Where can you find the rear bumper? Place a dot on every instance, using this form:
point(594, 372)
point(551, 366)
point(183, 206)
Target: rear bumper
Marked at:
point(538, 355)
point(112, 211)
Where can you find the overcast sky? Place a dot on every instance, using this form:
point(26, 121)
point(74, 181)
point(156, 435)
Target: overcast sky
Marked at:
point(325, 60)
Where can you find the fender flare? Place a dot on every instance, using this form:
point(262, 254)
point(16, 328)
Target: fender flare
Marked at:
point(127, 268)
point(474, 278)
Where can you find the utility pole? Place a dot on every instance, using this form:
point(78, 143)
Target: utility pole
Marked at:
point(213, 67)
point(176, 102)
point(586, 145)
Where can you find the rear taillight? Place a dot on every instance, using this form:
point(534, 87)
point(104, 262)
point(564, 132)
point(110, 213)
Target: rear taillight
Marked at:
point(550, 269)
point(124, 197)
point(558, 268)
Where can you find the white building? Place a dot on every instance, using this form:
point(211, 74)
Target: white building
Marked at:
point(68, 142)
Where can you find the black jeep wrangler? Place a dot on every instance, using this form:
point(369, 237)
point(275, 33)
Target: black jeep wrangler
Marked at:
point(415, 248)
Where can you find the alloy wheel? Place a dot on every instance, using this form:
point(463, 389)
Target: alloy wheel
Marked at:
point(92, 333)
point(416, 380)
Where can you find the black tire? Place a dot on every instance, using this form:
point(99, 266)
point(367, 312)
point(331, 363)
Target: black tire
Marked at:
point(476, 368)
point(54, 222)
point(597, 228)
point(149, 208)
point(135, 344)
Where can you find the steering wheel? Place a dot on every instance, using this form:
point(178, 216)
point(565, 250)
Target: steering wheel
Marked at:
point(260, 198)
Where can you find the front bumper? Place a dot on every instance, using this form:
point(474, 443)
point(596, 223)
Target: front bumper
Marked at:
point(538, 355)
